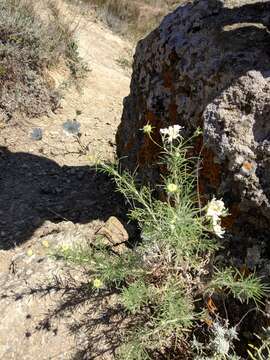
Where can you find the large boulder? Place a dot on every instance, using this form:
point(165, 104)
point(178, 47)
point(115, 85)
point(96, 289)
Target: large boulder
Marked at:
point(208, 65)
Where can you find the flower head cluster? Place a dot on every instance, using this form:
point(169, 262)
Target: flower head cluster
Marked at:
point(172, 188)
point(147, 129)
point(216, 208)
point(218, 229)
point(171, 133)
point(65, 247)
point(214, 211)
point(223, 338)
point(97, 283)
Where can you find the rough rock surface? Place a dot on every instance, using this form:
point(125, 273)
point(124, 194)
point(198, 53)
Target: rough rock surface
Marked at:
point(208, 65)
point(114, 235)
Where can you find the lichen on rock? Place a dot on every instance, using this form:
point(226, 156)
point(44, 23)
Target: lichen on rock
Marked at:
point(208, 65)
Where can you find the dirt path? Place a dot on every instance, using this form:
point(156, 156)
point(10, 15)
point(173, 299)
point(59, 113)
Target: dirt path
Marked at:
point(51, 195)
point(98, 99)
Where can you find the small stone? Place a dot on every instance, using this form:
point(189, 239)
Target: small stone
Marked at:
point(114, 235)
point(72, 127)
point(37, 134)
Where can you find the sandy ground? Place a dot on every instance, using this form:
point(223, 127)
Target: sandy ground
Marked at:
point(98, 98)
point(50, 194)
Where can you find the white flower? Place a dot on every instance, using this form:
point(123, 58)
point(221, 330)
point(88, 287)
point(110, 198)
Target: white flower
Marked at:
point(215, 209)
point(172, 132)
point(232, 333)
point(218, 230)
point(219, 330)
point(219, 342)
point(221, 345)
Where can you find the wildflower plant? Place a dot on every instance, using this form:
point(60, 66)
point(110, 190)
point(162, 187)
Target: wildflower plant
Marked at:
point(162, 278)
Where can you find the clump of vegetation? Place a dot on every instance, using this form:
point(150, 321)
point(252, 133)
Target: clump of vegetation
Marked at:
point(30, 45)
point(166, 282)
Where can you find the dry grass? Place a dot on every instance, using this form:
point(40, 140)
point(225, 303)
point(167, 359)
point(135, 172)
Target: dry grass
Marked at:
point(132, 18)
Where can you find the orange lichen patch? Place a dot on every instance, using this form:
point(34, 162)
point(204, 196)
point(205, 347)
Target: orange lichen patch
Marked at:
point(210, 171)
point(150, 117)
point(173, 56)
point(150, 150)
point(248, 165)
point(228, 221)
point(173, 113)
point(196, 149)
point(128, 146)
point(168, 79)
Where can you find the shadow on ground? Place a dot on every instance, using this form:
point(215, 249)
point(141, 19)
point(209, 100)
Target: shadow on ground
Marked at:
point(98, 319)
point(34, 189)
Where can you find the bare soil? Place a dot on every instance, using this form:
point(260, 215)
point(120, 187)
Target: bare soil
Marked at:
point(50, 195)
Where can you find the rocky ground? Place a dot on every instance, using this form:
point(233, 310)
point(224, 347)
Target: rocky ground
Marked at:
point(50, 196)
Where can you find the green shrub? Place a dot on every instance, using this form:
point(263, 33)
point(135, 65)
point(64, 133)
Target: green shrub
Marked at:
point(137, 295)
point(29, 46)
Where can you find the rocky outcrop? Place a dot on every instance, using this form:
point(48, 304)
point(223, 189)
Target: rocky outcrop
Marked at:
point(208, 65)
